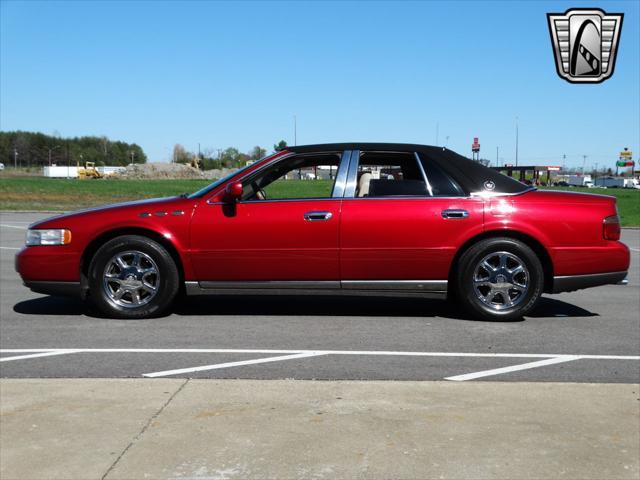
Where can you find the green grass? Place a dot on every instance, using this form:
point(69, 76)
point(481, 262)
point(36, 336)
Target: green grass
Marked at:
point(628, 201)
point(299, 189)
point(39, 193)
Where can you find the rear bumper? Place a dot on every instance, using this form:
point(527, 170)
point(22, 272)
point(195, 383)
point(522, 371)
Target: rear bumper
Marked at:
point(569, 283)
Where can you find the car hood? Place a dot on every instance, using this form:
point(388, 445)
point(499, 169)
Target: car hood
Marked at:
point(149, 202)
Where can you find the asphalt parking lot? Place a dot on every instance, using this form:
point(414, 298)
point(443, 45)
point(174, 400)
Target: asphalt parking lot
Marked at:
point(585, 336)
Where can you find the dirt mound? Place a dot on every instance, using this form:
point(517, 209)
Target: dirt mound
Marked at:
point(160, 170)
point(218, 173)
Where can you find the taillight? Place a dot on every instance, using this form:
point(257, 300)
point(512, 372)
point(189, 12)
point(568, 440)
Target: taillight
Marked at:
point(611, 228)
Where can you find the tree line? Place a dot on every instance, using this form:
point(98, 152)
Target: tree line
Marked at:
point(231, 157)
point(33, 149)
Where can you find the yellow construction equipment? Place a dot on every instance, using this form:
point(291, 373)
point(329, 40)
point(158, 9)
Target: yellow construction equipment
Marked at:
point(88, 171)
point(195, 163)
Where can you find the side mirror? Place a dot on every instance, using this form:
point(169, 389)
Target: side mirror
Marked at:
point(233, 192)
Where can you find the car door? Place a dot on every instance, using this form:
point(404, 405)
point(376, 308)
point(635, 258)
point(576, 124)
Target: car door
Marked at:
point(393, 233)
point(290, 238)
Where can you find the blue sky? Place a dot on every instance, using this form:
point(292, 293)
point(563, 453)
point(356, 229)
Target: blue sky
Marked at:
point(235, 74)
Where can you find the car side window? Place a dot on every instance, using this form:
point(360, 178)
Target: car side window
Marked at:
point(389, 174)
point(442, 185)
point(297, 177)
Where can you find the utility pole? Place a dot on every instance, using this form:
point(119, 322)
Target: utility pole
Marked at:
point(516, 141)
point(584, 162)
point(52, 149)
point(564, 162)
point(497, 150)
point(15, 157)
point(132, 155)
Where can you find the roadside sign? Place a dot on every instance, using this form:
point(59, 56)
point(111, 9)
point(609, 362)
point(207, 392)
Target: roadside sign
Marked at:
point(626, 154)
point(625, 163)
point(475, 146)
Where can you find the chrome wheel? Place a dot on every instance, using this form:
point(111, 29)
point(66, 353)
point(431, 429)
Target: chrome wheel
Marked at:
point(501, 280)
point(131, 279)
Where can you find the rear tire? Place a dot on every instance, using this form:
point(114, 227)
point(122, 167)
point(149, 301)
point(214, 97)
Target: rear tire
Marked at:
point(132, 277)
point(499, 279)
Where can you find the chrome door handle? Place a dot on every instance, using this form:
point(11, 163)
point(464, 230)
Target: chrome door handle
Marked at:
point(318, 216)
point(454, 213)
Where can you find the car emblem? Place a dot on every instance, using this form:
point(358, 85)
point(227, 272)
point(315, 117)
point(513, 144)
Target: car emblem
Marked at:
point(489, 185)
point(585, 43)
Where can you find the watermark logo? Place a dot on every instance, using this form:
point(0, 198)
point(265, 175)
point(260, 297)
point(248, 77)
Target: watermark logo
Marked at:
point(585, 43)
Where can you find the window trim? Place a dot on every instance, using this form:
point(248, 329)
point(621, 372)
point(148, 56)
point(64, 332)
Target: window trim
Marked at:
point(424, 174)
point(340, 184)
point(421, 158)
point(249, 176)
point(352, 175)
point(352, 181)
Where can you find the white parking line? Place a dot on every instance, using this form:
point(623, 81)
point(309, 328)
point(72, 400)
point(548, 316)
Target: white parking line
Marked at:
point(36, 355)
point(232, 364)
point(9, 248)
point(513, 368)
point(12, 226)
point(326, 352)
point(284, 355)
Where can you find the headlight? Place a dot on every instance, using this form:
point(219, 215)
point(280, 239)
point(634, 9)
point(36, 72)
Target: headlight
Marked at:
point(59, 236)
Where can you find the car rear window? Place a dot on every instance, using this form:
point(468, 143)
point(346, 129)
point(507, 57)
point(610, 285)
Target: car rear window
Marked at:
point(442, 185)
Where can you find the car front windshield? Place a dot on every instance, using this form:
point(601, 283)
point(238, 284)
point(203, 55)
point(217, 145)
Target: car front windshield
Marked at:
point(211, 186)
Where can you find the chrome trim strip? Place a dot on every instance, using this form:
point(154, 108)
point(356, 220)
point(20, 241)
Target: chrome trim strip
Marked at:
point(352, 176)
point(341, 175)
point(270, 284)
point(569, 283)
point(424, 174)
point(194, 288)
point(414, 285)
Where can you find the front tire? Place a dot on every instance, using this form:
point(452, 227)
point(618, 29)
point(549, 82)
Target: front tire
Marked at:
point(499, 279)
point(132, 277)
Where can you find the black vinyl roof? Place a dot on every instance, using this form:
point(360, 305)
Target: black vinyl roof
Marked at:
point(472, 176)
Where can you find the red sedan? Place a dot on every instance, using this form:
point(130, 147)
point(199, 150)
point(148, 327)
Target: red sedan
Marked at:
point(354, 219)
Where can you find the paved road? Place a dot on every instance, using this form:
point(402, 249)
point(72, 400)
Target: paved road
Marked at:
point(586, 336)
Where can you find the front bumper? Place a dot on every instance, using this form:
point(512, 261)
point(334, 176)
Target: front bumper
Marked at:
point(64, 289)
point(570, 283)
point(44, 263)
